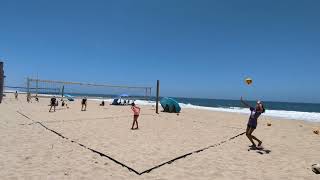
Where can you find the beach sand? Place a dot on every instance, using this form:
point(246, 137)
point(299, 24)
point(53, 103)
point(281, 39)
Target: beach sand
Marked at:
point(36, 144)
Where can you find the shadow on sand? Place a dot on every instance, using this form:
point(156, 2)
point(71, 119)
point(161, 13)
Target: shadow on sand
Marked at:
point(261, 150)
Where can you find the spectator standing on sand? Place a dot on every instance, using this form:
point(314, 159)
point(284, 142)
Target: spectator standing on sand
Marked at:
point(84, 104)
point(64, 104)
point(53, 104)
point(136, 113)
point(28, 97)
point(16, 95)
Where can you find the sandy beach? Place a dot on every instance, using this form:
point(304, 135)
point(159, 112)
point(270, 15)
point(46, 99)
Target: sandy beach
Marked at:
point(197, 144)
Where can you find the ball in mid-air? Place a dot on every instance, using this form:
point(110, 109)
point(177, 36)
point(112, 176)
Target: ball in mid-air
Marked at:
point(248, 81)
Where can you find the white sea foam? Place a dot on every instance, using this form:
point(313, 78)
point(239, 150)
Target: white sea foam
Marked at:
point(294, 115)
point(13, 91)
point(102, 99)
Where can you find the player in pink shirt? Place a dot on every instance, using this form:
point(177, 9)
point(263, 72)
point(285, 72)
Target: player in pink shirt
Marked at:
point(136, 113)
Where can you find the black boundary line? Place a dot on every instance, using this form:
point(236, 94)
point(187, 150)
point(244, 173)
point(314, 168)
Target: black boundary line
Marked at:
point(97, 152)
point(188, 154)
point(24, 115)
point(123, 165)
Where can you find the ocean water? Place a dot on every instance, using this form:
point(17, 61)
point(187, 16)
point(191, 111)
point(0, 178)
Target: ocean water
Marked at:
point(286, 110)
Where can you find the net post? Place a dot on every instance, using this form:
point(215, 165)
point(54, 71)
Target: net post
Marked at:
point(157, 99)
point(62, 91)
point(28, 85)
point(146, 94)
point(1, 81)
point(28, 89)
point(37, 86)
point(150, 94)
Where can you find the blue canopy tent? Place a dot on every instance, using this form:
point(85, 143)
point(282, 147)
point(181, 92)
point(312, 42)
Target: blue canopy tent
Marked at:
point(69, 97)
point(123, 95)
point(170, 105)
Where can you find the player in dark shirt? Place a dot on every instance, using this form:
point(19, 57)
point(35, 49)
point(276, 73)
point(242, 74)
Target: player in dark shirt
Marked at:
point(253, 121)
point(84, 104)
point(53, 104)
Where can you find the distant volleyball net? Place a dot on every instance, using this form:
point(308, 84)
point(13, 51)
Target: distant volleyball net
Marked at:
point(41, 87)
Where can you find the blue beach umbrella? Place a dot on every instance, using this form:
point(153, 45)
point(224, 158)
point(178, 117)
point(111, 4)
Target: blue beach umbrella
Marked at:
point(170, 105)
point(124, 95)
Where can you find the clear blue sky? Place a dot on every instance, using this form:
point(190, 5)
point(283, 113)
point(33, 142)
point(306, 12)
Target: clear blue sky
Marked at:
point(197, 48)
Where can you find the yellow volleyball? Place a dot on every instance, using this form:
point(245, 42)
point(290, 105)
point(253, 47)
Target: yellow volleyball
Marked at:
point(248, 81)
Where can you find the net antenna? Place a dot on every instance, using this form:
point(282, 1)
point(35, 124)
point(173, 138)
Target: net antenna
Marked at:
point(40, 87)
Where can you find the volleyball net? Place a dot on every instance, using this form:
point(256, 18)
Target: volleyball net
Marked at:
point(40, 87)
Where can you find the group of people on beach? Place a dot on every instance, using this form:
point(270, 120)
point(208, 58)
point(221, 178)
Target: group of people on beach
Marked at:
point(124, 102)
point(134, 108)
point(251, 125)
